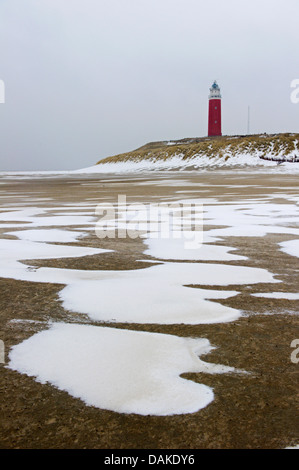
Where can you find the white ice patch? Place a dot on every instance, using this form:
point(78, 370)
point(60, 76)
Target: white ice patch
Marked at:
point(12, 251)
point(37, 217)
point(127, 371)
point(158, 294)
point(119, 370)
point(254, 220)
point(278, 295)
point(176, 249)
point(48, 235)
point(290, 247)
point(166, 234)
point(258, 216)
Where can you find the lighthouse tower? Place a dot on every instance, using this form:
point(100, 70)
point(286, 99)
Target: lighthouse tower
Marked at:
point(214, 110)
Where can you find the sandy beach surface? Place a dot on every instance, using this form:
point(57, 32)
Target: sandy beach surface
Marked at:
point(255, 214)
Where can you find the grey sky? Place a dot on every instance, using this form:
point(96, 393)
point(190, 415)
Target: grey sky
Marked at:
point(85, 79)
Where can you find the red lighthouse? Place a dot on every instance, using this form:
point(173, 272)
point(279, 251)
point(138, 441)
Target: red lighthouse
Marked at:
point(214, 110)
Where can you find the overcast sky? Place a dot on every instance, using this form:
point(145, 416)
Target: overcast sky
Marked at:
point(86, 79)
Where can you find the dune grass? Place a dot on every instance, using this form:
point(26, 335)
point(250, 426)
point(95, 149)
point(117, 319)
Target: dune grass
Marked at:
point(219, 147)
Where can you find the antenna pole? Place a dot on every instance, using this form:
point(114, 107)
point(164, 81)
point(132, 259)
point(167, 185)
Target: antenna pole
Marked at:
point(248, 121)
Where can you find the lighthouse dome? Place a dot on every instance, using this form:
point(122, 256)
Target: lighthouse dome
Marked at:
point(215, 91)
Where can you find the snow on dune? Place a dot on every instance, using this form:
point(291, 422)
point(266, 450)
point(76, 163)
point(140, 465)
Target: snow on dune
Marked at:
point(241, 160)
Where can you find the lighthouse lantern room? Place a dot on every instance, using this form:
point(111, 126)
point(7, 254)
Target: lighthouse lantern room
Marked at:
point(214, 110)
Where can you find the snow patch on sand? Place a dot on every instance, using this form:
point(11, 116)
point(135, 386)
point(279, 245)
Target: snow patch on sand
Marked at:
point(119, 370)
point(290, 247)
point(37, 217)
point(48, 235)
point(175, 249)
point(158, 294)
point(278, 295)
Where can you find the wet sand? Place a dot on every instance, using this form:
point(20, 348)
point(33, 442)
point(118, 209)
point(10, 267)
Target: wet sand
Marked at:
point(257, 410)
